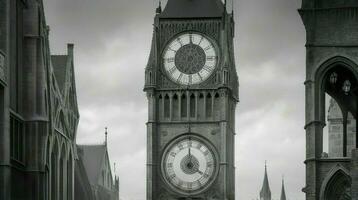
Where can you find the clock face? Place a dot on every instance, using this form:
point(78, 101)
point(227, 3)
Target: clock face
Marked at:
point(189, 165)
point(190, 59)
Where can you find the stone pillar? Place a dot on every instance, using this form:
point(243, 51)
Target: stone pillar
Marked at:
point(5, 170)
point(354, 174)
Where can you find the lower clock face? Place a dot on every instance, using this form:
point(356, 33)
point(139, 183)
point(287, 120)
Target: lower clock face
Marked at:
point(189, 165)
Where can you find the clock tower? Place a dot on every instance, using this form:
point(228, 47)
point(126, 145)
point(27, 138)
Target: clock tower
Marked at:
point(192, 89)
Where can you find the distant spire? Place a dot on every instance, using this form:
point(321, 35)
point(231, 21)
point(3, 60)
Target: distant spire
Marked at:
point(159, 9)
point(283, 193)
point(114, 169)
point(106, 133)
point(265, 193)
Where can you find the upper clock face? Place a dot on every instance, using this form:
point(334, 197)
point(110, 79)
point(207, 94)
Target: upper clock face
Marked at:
point(189, 165)
point(190, 59)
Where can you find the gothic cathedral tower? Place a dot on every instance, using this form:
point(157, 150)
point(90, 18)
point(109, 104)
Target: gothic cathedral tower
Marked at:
point(192, 90)
point(331, 75)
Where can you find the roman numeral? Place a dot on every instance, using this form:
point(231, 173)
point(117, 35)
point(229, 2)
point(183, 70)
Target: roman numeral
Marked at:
point(208, 68)
point(189, 185)
point(172, 70)
point(209, 164)
point(172, 176)
point(180, 77)
point(201, 39)
point(206, 152)
point(172, 49)
point(170, 60)
point(180, 42)
point(207, 48)
point(210, 58)
point(201, 78)
point(180, 146)
point(191, 38)
point(173, 154)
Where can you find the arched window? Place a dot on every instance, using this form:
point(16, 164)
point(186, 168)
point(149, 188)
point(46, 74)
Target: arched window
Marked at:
point(338, 187)
point(339, 109)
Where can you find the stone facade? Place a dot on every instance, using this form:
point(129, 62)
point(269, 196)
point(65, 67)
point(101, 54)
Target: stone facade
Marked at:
point(38, 109)
point(335, 131)
point(206, 110)
point(332, 57)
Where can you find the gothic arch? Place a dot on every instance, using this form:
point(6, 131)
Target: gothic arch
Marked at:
point(336, 185)
point(322, 73)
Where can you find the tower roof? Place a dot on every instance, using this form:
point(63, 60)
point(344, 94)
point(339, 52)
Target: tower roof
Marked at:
point(283, 193)
point(193, 9)
point(265, 193)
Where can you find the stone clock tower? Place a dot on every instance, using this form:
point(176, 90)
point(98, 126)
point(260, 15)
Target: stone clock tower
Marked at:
point(192, 90)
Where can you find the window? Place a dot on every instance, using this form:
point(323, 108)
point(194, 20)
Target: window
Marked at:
point(17, 139)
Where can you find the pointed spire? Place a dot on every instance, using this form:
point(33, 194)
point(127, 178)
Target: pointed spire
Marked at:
point(265, 193)
point(283, 193)
point(106, 133)
point(159, 9)
point(114, 169)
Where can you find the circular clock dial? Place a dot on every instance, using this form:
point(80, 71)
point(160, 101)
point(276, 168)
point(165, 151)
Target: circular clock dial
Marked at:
point(190, 58)
point(189, 165)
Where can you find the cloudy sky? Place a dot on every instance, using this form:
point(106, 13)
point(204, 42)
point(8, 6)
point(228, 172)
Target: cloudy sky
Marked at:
point(112, 42)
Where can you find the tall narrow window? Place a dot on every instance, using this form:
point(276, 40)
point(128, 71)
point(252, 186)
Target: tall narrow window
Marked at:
point(160, 107)
point(166, 106)
point(201, 106)
point(175, 107)
point(184, 106)
point(209, 104)
point(192, 105)
point(17, 140)
point(217, 107)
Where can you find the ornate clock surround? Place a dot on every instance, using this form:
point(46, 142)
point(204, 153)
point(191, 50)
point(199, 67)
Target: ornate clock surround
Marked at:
point(197, 64)
point(211, 148)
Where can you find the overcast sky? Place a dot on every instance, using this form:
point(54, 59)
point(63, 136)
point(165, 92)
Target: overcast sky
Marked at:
point(112, 42)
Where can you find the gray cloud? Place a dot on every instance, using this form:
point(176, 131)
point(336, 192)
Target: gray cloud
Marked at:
point(112, 39)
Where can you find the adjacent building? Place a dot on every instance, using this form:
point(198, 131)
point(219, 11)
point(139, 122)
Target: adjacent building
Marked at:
point(38, 107)
point(38, 111)
point(331, 70)
point(94, 159)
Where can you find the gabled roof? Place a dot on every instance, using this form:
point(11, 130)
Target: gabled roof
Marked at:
point(193, 9)
point(92, 156)
point(265, 193)
point(59, 63)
